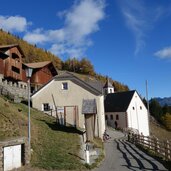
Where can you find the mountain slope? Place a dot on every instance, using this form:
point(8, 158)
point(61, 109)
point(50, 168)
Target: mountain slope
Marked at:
point(164, 101)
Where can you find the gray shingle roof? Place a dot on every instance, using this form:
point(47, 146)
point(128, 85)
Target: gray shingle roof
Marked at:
point(95, 87)
point(96, 84)
point(89, 106)
point(69, 76)
point(118, 102)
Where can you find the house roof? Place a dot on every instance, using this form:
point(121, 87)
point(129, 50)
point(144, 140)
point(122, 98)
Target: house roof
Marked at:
point(3, 55)
point(70, 76)
point(89, 106)
point(4, 47)
point(96, 84)
point(37, 64)
point(118, 102)
point(88, 79)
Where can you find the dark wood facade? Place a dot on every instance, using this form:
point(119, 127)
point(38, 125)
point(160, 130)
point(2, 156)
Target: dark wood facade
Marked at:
point(42, 73)
point(13, 69)
point(11, 62)
point(2, 57)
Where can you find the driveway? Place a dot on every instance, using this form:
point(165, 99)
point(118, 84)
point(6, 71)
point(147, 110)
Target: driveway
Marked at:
point(120, 155)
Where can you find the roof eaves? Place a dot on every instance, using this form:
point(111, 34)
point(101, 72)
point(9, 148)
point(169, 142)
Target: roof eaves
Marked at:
point(78, 81)
point(13, 45)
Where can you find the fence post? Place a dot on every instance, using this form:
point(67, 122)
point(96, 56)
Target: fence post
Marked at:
point(134, 138)
point(149, 140)
point(156, 145)
point(129, 136)
point(167, 150)
point(138, 139)
point(141, 139)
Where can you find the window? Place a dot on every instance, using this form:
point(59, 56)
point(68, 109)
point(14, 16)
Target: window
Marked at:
point(65, 86)
point(106, 117)
point(111, 117)
point(133, 108)
point(117, 117)
point(46, 107)
point(140, 107)
point(15, 69)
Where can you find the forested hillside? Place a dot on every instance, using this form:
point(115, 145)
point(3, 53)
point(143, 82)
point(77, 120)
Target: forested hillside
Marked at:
point(161, 113)
point(35, 54)
point(32, 53)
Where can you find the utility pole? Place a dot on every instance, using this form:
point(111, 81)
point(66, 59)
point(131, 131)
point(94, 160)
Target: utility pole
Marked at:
point(147, 105)
point(147, 97)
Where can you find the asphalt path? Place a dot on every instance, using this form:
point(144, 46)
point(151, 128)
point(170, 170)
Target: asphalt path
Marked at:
point(120, 155)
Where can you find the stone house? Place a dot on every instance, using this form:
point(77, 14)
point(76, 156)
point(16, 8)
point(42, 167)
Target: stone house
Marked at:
point(73, 102)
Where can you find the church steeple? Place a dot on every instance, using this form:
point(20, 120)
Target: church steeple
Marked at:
point(108, 87)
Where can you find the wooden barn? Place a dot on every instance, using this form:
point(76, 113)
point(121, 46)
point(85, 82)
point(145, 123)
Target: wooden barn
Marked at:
point(11, 62)
point(42, 73)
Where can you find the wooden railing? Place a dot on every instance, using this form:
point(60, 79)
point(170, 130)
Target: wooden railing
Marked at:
point(154, 145)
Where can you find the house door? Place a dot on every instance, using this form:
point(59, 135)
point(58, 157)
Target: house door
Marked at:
point(89, 123)
point(70, 116)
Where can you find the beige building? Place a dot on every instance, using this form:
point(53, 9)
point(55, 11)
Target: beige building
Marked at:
point(74, 103)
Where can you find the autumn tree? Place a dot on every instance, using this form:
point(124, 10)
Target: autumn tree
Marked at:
point(86, 67)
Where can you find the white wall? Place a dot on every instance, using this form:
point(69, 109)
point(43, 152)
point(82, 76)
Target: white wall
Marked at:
point(101, 116)
point(138, 115)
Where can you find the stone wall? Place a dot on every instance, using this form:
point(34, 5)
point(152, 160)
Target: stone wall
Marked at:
point(11, 142)
point(16, 91)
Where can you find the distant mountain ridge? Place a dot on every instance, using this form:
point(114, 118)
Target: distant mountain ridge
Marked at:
point(164, 101)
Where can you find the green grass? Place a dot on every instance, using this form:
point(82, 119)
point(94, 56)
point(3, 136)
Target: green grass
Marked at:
point(160, 132)
point(53, 146)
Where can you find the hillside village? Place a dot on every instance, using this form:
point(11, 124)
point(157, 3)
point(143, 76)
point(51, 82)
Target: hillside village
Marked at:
point(69, 99)
point(89, 106)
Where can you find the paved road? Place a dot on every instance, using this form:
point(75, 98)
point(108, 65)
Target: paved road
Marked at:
point(124, 156)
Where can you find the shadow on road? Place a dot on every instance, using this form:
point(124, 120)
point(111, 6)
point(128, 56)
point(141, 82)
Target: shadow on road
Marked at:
point(134, 159)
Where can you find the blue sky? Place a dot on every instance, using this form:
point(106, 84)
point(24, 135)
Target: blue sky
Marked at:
point(128, 40)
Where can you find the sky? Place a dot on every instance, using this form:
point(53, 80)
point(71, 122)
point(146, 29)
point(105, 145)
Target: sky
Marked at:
point(127, 40)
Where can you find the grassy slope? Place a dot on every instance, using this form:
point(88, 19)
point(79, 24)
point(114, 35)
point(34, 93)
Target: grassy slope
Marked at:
point(53, 147)
point(160, 132)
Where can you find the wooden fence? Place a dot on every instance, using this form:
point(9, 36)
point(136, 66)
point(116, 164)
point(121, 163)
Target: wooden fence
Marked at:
point(158, 147)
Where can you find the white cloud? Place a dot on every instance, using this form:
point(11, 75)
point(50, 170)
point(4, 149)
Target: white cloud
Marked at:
point(13, 23)
point(79, 23)
point(64, 49)
point(165, 53)
point(35, 37)
point(140, 19)
point(134, 13)
point(83, 19)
